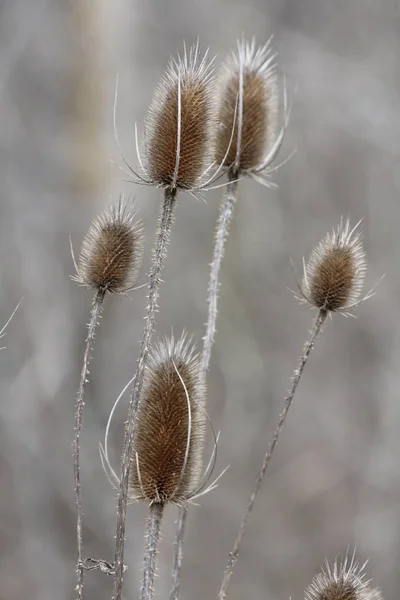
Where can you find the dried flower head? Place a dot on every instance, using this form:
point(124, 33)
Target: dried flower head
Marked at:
point(248, 107)
point(112, 251)
point(180, 124)
point(170, 427)
point(335, 271)
point(343, 581)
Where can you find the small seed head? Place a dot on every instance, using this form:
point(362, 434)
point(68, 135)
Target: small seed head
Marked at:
point(112, 251)
point(169, 440)
point(335, 271)
point(248, 107)
point(179, 124)
point(342, 581)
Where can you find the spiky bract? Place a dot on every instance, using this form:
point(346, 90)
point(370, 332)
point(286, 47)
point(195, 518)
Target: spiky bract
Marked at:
point(180, 123)
point(344, 580)
point(248, 107)
point(112, 251)
point(335, 271)
point(170, 427)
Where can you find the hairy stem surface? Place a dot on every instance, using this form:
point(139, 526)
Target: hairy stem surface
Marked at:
point(159, 253)
point(221, 236)
point(153, 534)
point(94, 318)
point(233, 556)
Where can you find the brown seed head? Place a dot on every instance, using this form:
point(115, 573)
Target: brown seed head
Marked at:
point(169, 439)
point(248, 107)
point(179, 123)
point(343, 581)
point(335, 271)
point(112, 251)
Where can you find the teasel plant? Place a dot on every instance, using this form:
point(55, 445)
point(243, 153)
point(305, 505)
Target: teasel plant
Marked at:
point(333, 279)
point(246, 144)
point(343, 580)
point(168, 444)
point(108, 263)
point(178, 145)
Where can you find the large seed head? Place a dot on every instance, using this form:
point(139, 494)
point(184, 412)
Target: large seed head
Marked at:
point(170, 427)
point(112, 251)
point(179, 124)
point(248, 107)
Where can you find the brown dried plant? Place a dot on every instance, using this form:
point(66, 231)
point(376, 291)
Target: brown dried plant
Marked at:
point(109, 262)
point(343, 580)
point(177, 147)
point(245, 143)
point(167, 455)
point(339, 283)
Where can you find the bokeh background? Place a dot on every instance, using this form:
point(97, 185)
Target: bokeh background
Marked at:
point(334, 481)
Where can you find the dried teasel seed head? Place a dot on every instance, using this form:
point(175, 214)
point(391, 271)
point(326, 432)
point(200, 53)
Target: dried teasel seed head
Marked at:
point(248, 107)
point(335, 271)
point(180, 123)
point(343, 581)
point(112, 251)
point(170, 427)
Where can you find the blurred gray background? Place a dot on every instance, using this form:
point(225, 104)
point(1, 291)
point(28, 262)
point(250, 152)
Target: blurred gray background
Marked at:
point(334, 481)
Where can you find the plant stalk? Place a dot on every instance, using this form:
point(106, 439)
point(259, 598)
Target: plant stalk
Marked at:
point(97, 306)
point(233, 556)
point(159, 254)
point(153, 534)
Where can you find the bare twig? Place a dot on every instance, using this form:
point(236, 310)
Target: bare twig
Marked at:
point(94, 317)
point(233, 556)
point(163, 236)
point(152, 542)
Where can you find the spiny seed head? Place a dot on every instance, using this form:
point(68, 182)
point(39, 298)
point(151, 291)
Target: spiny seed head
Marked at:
point(112, 251)
point(342, 581)
point(169, 439)
point(180, 123)
point(248, 107)
point(335, 271)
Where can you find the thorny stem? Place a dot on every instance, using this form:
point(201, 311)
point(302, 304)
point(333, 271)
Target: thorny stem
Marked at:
point(221, 235)
point(224, 220)
point(94, 318)
point(233, 556)
point(178, 553)
point(153, 534)
point(159, 253)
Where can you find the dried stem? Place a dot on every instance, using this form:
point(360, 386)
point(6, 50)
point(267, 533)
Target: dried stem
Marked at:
point(224, 220)
point(178, 553)
point(222, 231)
point(94, 318)
point(233, 556)
point(159, 254)
point(153, 534)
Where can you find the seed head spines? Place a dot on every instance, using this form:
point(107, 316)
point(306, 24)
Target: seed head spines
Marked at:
point(344, 580)
point(179, 123)
point(112, 250)
point(335, 271)
point(170, 427)
point(248, 107)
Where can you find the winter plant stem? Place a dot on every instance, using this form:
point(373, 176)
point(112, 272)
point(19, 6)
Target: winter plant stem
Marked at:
point(163, 235)
point(94, 318)
point(221, 236)
point(178, 553)
point(224, 220)
point(233, 556)
point(152, 543)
